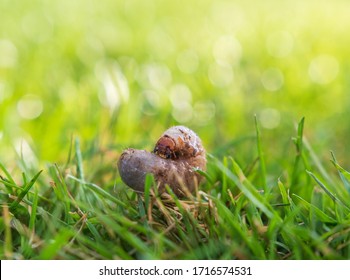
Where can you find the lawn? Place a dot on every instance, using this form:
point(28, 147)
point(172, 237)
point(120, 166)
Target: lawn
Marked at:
point(265, 86)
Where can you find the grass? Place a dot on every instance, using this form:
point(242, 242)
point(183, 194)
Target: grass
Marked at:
point(80, 81)
point(240, 212)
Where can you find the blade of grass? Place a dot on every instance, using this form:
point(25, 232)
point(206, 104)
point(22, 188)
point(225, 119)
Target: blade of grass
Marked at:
point(124, 232)
point(317, 200)
point(9, 185)
point(318, 212)
point(149, 182)
point(285, 198)
point(343, 174)
point(261, 155)
point(142, 211)
point(283, 191)
point(249, 191)
point(25, 190)
point(62, 189)
point(8, 181)
point(69, 151)
point(79, 159)
point(24, 178)
point(205, 175)
point(103, 249)
point(94, 231)
point(53, 249)
point(224, 181)
point(298, 141)
point(229, 222)
point(8, 236)
point(95, 188)
point(8, 175)
point(327, 191)
point(34, 211)
point(317, 162)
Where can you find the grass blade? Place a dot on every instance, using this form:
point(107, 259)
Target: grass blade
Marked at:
point(149, 182)
point(8, 236)
point(261, 155)
point(53, 249)
point(343, 174)
point(79, 159)
point(318, 212)
point(249, 191)
point(285, 197)
point(8, 181)
point(299, 147)
point(224, 193)
point(8, 175)
point(96, 189)
point(25, 190)
point(34, 211)
point(317, 162)
point(327, 191)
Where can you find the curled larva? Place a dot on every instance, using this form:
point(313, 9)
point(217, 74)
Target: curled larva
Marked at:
point(179, 142)
point(176, 156)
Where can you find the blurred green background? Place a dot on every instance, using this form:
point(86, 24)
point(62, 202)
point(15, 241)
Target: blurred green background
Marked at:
point(118, 73)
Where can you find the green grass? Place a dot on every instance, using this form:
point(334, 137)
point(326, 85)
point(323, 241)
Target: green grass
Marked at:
point(80, 81)
point(61, 214)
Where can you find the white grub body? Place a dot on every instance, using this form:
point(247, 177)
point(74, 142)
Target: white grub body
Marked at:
point(174, 163)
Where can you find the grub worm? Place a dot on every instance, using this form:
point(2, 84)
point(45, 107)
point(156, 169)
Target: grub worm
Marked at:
point(176, 156)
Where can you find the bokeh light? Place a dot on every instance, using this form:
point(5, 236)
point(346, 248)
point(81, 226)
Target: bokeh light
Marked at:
point(280, 43)
point(30, 107)
point(220, 75)
point(188, 61)
point(272, 79)
point(323, 69)
point(8, 54)
point(125, 70)
point(270, 118)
